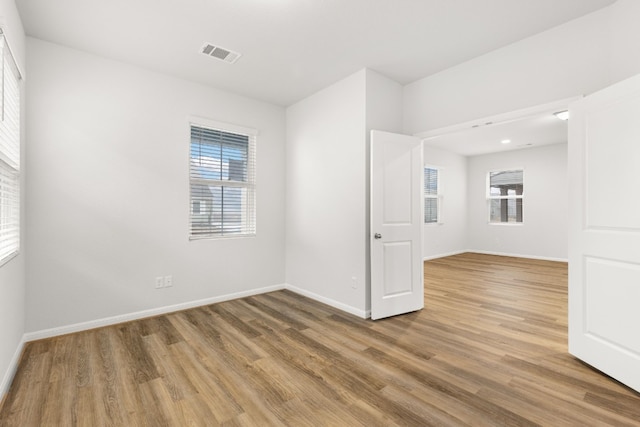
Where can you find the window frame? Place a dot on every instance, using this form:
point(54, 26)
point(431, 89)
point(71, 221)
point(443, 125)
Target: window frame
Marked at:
point(250, 227)
point(507, 197)
point(438, 196)
point(10, 154)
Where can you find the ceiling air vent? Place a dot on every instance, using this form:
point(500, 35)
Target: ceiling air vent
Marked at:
point(220, 53)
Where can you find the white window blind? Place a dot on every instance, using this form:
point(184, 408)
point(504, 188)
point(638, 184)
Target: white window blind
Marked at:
point(432, 196)
point(222, 181)
point(505, 194)
point(9, 155)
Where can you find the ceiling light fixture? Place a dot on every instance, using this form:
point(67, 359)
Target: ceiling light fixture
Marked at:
point(506, 141)
point(562, 115)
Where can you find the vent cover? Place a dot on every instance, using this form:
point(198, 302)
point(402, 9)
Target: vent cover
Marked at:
point(220, 53)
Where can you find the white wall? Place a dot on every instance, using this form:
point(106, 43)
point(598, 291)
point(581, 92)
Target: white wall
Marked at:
point(579, 57)
point(326, 194)
point(450, 236)
point(12, 274)
point(108, 191)
point(384, 103)
point(625, 36)
point(543, 233)
point(569, 60)
point(328, 187)
point(383, 112)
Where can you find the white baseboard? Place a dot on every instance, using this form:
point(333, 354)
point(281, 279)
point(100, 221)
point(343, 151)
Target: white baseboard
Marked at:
point(108, 321)
point(430, 257)
point(542, 258)
point(365, 314)
point(11, 370)
point(92, 324)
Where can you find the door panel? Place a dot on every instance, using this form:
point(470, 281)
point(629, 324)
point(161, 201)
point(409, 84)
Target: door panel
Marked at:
point(604, 231)
point(612, 161)
point(611, 297)
point(397, 183)
point(396, 217)
point(398, 278)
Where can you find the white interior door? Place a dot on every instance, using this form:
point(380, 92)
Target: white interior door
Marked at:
point(604, 235)
point(397, 284)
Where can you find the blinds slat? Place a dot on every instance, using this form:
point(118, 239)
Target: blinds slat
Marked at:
point(431, 192)
point(9, 155)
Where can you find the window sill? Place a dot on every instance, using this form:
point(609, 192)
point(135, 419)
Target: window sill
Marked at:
point(9, 257)
point(228, 237)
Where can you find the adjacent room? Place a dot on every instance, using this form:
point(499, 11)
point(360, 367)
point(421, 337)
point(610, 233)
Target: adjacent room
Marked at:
point(202, 212)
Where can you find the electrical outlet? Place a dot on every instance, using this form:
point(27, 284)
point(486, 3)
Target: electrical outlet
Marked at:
point(159, 282)
point(168, 281)
point(354, 282)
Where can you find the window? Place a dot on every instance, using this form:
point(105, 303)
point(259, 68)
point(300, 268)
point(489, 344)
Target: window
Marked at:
point(9, 155)
point(432, 195)
point(505, 193)
point(222, 181)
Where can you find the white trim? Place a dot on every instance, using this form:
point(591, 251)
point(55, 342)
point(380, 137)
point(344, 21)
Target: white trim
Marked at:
point(9, 257)
point(13, 58)
point(108, 321)
point(430, 257)
point(228, 127)
point(473, 251)
point(542, 258)
point(511, 116)
point(11, 370)
point(364, 314)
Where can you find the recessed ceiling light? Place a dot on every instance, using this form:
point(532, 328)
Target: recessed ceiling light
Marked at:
point(506, 141)
point(562, 115)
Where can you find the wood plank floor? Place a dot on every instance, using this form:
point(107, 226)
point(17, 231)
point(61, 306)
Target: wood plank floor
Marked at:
point(489, 349)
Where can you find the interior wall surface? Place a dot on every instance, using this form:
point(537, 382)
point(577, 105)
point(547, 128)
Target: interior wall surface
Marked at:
point(544, 230)
point(12, 273)
point(326, 195)
point(108, 191)
point(449, 236)
point(566, 61)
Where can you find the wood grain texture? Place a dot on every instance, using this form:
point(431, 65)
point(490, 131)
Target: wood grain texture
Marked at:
point(490, 348)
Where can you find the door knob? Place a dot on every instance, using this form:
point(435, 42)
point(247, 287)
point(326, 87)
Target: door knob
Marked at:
point(377, 236)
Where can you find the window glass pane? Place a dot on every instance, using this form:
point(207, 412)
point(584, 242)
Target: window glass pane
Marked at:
point(219, 155)
point(506, 210)
point(506, 183)
point(430, 210)
point(506, 189)
point(431, 193)
point(222, 210)
point(430, 181)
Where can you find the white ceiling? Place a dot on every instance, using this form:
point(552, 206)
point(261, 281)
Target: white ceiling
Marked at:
point(536, 131)
point(293, 48)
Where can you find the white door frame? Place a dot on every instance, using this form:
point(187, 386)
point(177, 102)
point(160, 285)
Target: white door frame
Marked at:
point(503, 118)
